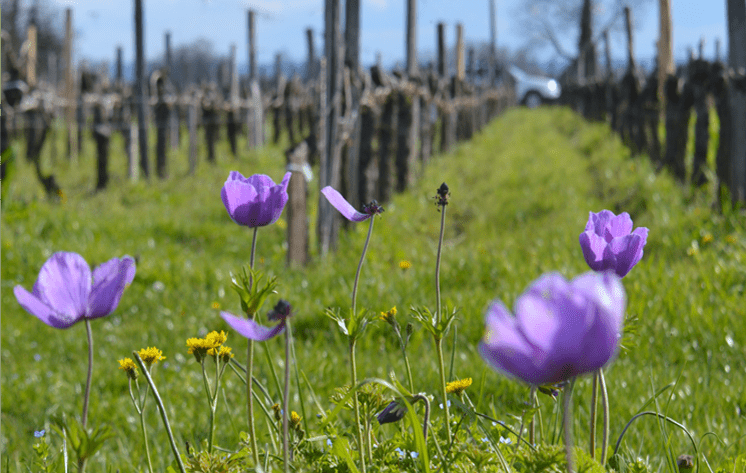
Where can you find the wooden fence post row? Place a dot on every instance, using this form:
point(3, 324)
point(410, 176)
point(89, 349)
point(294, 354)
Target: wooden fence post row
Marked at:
point(632, 108)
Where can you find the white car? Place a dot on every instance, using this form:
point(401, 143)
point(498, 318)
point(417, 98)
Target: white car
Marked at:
point(531, 90)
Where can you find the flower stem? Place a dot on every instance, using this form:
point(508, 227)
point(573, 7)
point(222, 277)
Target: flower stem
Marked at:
point(437, 263)
point(250, 366)
point(353, 368)
point(532, 424)
point(438, 316)
point(605, 406)
point(161, 409)
point(439, 349)
point(359, 268)
point(90, 372)
point(406, 364)
point(145, 440)
point(426, 419)
point(285, 400)
point(594, 402)
point(567, 424)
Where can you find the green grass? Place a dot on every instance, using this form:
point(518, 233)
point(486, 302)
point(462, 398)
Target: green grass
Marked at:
point(521, 193)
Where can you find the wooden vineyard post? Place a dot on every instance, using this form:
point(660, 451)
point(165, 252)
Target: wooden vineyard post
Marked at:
point(297, 163)
point(140, 93)
point(192, 125)
point(330, 168)
point(737, 98)
point(72, 140)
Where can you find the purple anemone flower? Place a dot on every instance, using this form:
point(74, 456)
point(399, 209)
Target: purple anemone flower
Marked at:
point(394, 412)
point(609, 243)
point(254, 201)
point(64, 294)
point(346, 209)
point(259, 333)
point(560, 329)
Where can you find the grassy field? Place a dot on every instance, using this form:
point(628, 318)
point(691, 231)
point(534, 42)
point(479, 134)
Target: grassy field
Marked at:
point(521, 193)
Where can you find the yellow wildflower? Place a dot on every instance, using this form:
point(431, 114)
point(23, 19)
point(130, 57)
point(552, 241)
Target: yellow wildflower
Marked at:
point(706, 238)
point(278, 411)
point(223, 352)
point(294, 420)
point(386, 316)
point(458, 386)
point(216, 305)
point(151, 356)
point(730, 239)
point(129, 367)
point(215, 339)
point(198, 347)
point(404, 264)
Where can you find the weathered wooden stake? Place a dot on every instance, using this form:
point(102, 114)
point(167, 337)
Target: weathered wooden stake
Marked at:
point(31, 34)
point(737, 62)
point(192, 125)
point(631, 65)
point(352, 63)
point(67, 54)
point(311, 64)
point(141, 89)
point(460, 64)
point(665, 51)
point(330, 168)
point(297, 160)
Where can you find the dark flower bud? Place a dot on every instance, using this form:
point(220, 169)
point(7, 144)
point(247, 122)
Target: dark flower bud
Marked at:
point(685, 463)
point(443, 194)
point(281, 311)
point(392, 413)
point(372, 208)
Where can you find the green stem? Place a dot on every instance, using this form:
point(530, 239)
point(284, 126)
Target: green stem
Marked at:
point(594, 402)
point(359, 268)
point(145, 440)
point(605, 406)
point(250, 366)
point(90, 372)
point(353, 368)
point(426, 418)
point(532, 424)
point(409, 368)
point(161, 409)
point(567, 424)
point(285, 401)
point(437, 263)
point(439, 349)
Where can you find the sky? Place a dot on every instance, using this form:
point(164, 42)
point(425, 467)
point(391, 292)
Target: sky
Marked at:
point(102, 25)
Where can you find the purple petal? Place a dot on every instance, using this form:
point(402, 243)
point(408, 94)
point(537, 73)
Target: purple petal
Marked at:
point(598, 221)
point(344, 207)
point(255, 201)
point(109, 281)
point(618, 226)
point(43, 312)
point(64, 285)
point(593, 247)
point(250, 329)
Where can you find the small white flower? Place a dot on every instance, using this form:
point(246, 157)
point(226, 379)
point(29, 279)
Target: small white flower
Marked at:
point(506, 441)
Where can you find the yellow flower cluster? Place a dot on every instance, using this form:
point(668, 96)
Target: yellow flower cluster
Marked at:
point(199, 347)
point(294, 420)
point(405, 264)
point(129, 367)
point(387, 316)
point(151, 355)
point(223, 352)
point(458, 386)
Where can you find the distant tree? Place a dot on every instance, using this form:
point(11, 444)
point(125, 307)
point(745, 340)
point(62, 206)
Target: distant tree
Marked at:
point(571, 27)
point(18, 15)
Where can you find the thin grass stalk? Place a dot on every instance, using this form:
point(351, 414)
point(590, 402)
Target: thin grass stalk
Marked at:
point(409, 368)
point(567, 425)
point(250, 365)
point(605, 406)
point(285, 400)
point(594, 402)
point(161, 409)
